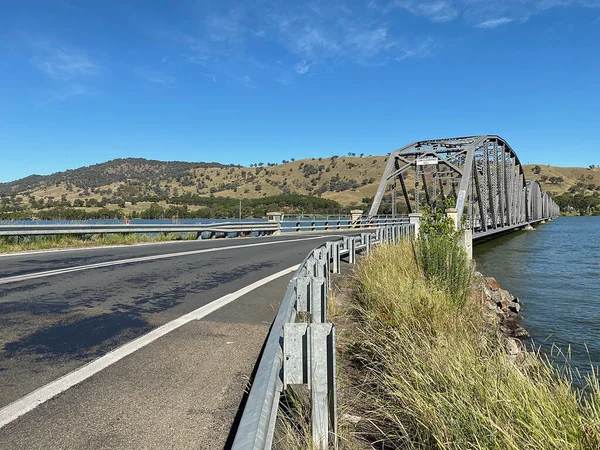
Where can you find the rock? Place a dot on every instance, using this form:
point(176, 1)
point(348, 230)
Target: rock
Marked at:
point(492, 283)
point(352, 419)
point(513, 346)
point(521, 332)
point(515, 307)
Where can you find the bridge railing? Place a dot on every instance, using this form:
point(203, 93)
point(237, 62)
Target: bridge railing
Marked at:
point(211, 229)
point(300, 224)
point(204, 230)
point(300, 348)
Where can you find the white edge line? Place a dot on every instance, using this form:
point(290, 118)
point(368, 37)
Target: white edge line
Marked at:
point(29, 402)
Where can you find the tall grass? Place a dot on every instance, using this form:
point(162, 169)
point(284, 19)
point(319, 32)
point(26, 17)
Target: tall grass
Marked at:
point(444, 263)
point(434, 375)
point(21, 243)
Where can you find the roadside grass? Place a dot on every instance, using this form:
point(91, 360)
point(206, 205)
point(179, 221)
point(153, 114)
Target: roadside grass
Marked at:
point(431, 372)
point(10, 244)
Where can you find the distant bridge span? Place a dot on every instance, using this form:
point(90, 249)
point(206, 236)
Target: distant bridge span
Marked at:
point(482, 174)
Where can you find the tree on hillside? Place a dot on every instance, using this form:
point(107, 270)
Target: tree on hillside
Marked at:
point(537, 170)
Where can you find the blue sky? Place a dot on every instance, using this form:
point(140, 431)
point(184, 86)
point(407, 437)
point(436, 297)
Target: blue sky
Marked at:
point(242, 82)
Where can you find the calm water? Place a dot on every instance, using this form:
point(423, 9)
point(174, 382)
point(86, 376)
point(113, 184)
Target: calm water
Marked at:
point(554, 270)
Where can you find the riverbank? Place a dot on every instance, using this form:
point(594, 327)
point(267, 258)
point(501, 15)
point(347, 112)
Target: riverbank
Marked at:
point(422, 368)
point(14, 244)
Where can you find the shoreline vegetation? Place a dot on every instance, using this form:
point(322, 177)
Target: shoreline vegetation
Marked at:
point(429, 357)
point(424, 365)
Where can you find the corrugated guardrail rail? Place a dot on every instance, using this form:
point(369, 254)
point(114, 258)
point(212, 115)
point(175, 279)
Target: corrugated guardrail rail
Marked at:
point(210, 230)
point(304, 353)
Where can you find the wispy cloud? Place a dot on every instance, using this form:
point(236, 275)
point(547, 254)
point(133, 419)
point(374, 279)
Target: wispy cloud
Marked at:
point(479, 13)
point(422, 49)
point(494, 23)
point(62, 63)
point(156, 77)
point(308, 36)
point(304, 35)
point(437, 10)
point(302, 67)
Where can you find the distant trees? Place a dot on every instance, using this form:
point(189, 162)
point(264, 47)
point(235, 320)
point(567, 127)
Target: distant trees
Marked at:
point(556, 180)
point(537, 170)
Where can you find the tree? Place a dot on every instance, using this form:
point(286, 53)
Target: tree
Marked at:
point(556, 180)
point(537, 170)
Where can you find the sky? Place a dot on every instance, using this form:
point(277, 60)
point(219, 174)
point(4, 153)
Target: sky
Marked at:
point(83, 82)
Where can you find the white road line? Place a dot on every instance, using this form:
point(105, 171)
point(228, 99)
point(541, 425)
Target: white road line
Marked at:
point(25, 404)
point(49, 273)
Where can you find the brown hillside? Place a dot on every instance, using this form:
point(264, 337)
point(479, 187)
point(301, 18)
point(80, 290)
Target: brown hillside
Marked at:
point(345, 179)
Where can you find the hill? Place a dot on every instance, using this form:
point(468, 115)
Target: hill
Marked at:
point(134, 183)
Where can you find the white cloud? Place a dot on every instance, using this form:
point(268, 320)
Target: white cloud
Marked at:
point(308, 34)
point(63, 63)
point(156, 77)
point(494, 23)
point(479, 13)
point(302, 67)
point(422, 49)
point(436, 10)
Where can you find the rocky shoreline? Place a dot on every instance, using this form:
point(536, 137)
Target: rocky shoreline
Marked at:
point(502, 310)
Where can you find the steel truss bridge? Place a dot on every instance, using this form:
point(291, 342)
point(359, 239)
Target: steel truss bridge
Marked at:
point(481, 175)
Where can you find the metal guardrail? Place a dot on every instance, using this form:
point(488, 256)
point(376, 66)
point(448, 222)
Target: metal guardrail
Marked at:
point(204, 230)
point(338, 223)
point(304, 353)
point(211, 229)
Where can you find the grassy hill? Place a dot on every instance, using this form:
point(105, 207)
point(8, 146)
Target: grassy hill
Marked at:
point(343, 179)
point(134, 183)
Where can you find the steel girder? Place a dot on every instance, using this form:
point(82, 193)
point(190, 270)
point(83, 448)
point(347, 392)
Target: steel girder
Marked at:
point(482, 174)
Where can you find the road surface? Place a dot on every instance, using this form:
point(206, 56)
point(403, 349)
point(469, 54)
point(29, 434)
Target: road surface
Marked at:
point(61, 310)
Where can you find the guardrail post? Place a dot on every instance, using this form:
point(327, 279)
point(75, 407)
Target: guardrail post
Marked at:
point(309, 358)
point(303, 292)
point(311, 266)
point(336, 258)
point(352, 250)
point(295, 354)
point(318, 300)
point(322, 368)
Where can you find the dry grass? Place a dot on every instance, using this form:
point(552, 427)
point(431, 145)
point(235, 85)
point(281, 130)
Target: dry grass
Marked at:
point(431, 374)
point(17, 243)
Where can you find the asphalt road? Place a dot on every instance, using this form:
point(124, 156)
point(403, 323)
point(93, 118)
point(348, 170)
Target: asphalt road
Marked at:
point(53, 323)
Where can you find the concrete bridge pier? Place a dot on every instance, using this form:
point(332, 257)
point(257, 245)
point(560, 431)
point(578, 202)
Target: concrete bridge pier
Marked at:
point(466, 238)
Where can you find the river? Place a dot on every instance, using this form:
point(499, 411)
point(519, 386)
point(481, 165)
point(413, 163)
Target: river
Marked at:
point(555, 271)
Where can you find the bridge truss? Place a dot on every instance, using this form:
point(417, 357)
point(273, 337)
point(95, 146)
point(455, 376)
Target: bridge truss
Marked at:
point(481, 175)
